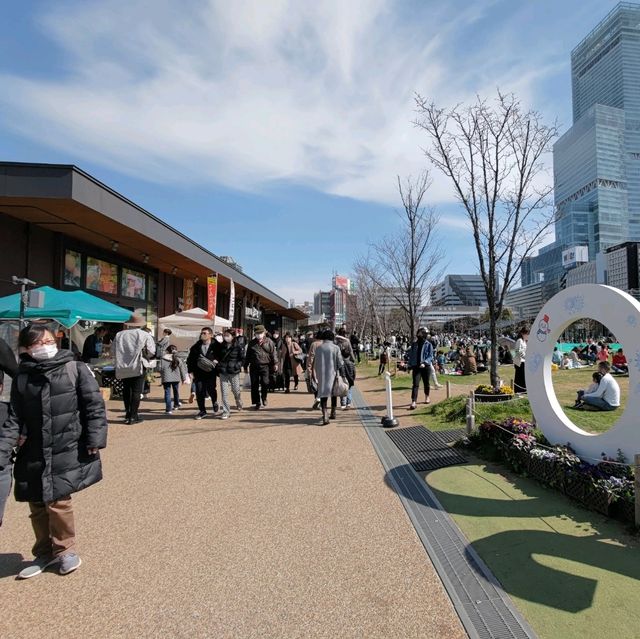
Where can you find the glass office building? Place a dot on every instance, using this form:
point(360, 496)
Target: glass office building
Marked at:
point(597, 161)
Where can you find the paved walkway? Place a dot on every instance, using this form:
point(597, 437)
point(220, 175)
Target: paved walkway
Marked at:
point(265, 525)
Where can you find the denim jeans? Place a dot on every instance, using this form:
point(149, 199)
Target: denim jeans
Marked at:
point(169, 388)
point(598, 402)
point(346, 401)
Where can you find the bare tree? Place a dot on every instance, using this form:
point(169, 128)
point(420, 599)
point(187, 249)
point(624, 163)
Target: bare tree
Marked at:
point(494, 157)
point(368, 314)
point(405, 262)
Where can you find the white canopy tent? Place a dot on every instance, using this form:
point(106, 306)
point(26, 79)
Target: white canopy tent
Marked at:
point(185, 327)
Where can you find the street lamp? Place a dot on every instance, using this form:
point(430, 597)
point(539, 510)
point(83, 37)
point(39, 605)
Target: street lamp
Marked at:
point(23, 282)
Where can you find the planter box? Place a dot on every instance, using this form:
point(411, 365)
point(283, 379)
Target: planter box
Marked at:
point(598, 500)
point(541, 469)
point(577, 487)
point(518, 459)
point(624, 510)
point(485, 398)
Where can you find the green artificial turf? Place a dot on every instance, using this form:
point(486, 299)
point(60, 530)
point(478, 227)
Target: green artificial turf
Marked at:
point(572, 573)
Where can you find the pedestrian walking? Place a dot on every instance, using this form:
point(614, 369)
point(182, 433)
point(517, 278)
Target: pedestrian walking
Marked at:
point(201, 364)
point(261, 362)
point(418, 360)
point(327, 365)
point(59, 423)
point(355, 345)
point(173, 372)
point(348, 357)
point(133, 350)
point(385, 353)
point(229, 366)
point(290, 356)
point(8, 371)
point(519, 382)
point(313, 343)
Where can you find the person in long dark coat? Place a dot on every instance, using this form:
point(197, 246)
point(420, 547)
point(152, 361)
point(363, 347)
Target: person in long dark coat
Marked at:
point(59, 423)
point(327, 363)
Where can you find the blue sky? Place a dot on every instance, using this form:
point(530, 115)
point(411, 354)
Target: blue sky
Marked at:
point(272, 130)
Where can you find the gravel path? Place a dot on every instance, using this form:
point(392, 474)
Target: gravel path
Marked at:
point(264, 525)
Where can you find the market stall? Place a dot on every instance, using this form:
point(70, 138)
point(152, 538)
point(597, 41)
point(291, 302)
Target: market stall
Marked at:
point(185, 327)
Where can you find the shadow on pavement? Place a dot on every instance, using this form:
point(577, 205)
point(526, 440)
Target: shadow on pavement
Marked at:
point(10, 565)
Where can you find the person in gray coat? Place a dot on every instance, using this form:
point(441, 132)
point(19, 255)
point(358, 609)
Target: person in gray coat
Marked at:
point(327, 363)
point(59, 423)
point(173, 370)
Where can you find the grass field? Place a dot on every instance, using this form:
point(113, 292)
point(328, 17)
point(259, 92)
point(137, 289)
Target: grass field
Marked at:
point(451, 413)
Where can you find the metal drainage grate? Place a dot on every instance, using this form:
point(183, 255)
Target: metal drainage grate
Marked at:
point(424, 449)
point(450, 436)
point(485, 610)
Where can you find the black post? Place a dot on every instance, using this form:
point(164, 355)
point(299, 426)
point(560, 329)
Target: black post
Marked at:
point(23, 282)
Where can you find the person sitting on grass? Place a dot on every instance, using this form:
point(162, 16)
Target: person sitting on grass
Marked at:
point(619, 363)
point(607, 395)
point(556, 356)
point(592, 388)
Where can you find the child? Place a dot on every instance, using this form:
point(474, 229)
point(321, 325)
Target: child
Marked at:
point(596, 377)
point(172, 371)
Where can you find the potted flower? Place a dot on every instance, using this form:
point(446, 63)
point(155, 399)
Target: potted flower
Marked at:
point(487, 393)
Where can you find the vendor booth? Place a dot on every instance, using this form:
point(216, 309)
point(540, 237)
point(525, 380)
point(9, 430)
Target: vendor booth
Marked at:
point(186, 326)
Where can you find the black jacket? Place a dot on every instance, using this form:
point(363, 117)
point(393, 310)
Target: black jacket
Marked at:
point(8, 363)
point(231, 358)
point(260, 354)
point(89, 350)
point(213, 353)
point(60, 421)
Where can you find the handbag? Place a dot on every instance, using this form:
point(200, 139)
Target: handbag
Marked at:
point(205, 364)
point(340, 387)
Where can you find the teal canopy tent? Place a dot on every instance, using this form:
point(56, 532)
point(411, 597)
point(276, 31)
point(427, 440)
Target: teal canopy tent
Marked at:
point(66, 307)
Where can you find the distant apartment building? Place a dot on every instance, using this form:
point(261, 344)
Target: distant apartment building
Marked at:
point(436, 316)
point(322, 303)
point(459, 290)
point(525, 302)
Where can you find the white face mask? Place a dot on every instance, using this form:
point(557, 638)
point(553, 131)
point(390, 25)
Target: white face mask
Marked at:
point(42, 352)
point(228, 339)
point(219, 339)
point(259, 336)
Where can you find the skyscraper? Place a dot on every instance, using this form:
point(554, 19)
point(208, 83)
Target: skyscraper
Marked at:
point(597, 161)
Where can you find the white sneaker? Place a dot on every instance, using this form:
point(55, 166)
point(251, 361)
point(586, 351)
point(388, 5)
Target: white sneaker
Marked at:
point(413, 406)
point(224, 416)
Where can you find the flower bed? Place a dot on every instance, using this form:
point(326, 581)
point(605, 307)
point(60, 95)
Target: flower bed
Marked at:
point(485, 393)
point(606, 487)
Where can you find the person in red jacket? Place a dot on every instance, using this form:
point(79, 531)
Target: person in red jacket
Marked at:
point(619, 364)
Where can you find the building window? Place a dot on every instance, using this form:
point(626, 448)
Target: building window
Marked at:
point(102, 276)
point(72, 268)
point(133, 284)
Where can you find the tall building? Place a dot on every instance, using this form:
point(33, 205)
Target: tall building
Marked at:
point(459, 290)
point(623, 267)
point(322, 303)
point(597, 161)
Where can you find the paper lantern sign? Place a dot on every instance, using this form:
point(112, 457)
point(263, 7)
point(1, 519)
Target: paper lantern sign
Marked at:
point(620, 313)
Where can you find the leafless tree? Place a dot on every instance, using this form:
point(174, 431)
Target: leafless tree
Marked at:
point(368, 316)
point(405, 262)
point(494, 156)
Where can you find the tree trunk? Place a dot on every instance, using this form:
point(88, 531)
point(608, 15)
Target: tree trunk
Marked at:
point(493, 335)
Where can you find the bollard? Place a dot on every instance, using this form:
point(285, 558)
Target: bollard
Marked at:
point(448, 389)
point(389, 421)
point(471, 420)
point(637, 487)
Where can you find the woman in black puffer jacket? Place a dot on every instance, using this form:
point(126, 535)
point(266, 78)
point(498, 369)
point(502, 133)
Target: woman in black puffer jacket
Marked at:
point(59, 423)
point(231, 357)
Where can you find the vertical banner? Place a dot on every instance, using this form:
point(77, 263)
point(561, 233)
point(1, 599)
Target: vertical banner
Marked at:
point(187, 294)
point(232, 302)
point(212, 292)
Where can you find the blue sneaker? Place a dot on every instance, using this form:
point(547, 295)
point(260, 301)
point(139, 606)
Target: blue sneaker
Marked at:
point(37, 567)
point(69, 563)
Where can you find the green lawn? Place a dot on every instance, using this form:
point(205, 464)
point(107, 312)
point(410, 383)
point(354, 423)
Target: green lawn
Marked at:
point(451, 413)
point(572, 573)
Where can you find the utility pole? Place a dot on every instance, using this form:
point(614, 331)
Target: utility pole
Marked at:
point(23, 282)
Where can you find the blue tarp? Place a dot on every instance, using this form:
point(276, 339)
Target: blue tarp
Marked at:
point(66, 307)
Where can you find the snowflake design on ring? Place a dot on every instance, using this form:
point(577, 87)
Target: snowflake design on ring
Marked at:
point(574, 305)
point(632, 320)
point(535, 363)
point(637, 358)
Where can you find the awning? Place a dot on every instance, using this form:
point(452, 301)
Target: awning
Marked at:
point(66, 307)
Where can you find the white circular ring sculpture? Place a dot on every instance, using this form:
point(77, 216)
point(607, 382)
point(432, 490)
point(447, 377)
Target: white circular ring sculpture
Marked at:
point(620, 313)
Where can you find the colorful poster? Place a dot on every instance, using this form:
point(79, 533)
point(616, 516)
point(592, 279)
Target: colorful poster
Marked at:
point(102, 276)
point(72, 268)
point(212, 292)
point(187, 294)
point(133, 284)
point(232, 301)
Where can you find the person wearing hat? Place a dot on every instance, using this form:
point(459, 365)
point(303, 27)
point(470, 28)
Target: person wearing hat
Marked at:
point(133, 348)
point(260, 359)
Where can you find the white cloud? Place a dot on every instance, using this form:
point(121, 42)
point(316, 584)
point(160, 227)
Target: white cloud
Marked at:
point(249, 92)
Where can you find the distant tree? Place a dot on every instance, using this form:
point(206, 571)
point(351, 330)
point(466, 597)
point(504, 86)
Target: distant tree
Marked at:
point(404, 263)
point(494, 157)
